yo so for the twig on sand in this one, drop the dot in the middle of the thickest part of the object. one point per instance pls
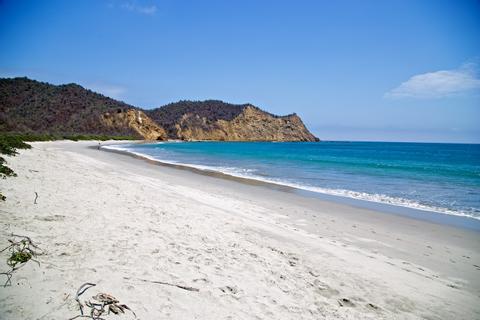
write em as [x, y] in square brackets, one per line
[36, 197]
[99, 304]
[166, 283]
[84, 287]
[22, 251]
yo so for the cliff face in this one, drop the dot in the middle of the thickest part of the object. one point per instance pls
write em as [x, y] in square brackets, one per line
[217, 120]
[137, 121]
[29, 106]
[251, 124]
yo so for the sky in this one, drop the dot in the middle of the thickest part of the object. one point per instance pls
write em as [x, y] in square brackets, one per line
[372, 70]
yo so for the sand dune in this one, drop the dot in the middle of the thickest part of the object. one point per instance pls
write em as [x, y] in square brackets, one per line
[252, 252]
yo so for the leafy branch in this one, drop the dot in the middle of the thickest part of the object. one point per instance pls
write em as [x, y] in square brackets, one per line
[8, 146]
[22, 249]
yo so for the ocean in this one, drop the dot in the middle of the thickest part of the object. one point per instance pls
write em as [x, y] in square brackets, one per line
[435, 177]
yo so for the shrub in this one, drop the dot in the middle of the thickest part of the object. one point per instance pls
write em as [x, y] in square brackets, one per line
[8, 146]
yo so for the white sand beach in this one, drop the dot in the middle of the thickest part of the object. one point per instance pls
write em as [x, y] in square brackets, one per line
[253, 252]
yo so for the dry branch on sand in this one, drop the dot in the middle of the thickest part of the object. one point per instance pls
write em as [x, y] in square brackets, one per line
[167, 284]
[99, 304]
[22, 249]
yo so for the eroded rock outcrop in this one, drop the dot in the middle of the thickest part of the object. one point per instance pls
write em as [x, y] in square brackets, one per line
[251, 124]
[136, 120]
[217, 120]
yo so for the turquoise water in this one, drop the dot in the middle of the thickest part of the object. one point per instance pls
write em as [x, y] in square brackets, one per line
[443, 178]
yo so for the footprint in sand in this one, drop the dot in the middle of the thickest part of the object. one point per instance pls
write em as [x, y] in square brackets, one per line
[312, 273]
[202, 280]
[229, 289]
[344, 302]
[56, 217]
[372, 306]
[324, 290]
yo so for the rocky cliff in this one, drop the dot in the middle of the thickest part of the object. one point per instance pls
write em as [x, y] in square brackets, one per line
[217, 120]
[28, 106]
[136, 120]
[251, 124]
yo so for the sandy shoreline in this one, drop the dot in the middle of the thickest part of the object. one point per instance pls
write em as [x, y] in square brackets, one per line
[253, 252]
[456, 220]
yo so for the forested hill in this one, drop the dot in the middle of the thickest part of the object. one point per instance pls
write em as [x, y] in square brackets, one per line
[29, 106]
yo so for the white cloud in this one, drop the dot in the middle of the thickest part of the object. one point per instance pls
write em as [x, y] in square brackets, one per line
[439, 84]
[143, 9]
[109, 90]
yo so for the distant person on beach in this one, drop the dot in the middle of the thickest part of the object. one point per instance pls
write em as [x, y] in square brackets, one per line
[99, 145]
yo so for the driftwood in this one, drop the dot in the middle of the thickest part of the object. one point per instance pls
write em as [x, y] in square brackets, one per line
[167, 284]
[99, 305]
[22, 249]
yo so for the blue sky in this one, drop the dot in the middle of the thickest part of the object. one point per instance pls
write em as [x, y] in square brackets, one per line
[353, 70]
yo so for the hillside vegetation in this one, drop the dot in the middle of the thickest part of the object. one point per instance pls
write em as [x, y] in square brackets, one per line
[33, 107]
